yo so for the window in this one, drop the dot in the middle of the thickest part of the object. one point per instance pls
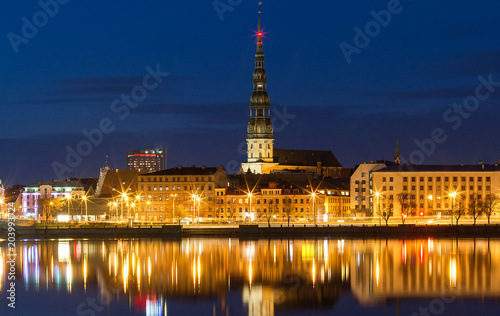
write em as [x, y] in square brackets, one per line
[383, 179]
[391, 179]
[429, 179]
[446, 179]
[479, 187]
[438, 179]
[471, 179]
[421, 179]
[384, 188]
[463, 179]
[488, 179]
[405, 179]
[363, 174]
[471, 188]
[391, 188]
[480, 179]
[363, 182]
[421, 187]
[455, 179]
[488, 188]
[463, 187]
[412, 179]
[413, 188]
[405, 188]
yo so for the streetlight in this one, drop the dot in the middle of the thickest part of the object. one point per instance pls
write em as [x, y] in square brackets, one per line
[250, 198]
[123, 195]
[198, 199]
[69, 199]
[173, 196]
[452, 195]
[314, 206]
[1, 208]
[377, 194]
[84, 198]
[149, 208]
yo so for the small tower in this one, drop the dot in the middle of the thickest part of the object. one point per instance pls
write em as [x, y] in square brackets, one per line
[397, 156]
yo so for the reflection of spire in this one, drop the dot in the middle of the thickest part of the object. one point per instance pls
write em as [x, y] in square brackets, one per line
[397, 156]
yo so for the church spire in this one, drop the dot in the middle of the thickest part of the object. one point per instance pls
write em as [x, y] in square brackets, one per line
[260, 129]
[397, 156]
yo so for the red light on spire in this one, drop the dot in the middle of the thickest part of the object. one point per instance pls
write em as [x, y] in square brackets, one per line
[259, 34]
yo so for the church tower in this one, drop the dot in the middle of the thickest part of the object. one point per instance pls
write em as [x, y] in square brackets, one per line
[260, 139]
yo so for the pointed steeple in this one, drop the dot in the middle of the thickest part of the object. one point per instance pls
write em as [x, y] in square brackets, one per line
[397, 156]
[260, 129]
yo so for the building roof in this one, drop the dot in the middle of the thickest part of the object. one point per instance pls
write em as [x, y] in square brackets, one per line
[440, 168]
[288, 181]
[299, 157]
[185, 171]
[117, 181]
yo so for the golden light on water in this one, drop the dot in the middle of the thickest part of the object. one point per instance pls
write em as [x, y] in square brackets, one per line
[153, 270]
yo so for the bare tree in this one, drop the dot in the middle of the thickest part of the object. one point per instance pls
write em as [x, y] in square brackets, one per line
[271, 210]
[50, 206]
[475, 207]
[179, 213]
[459, 208]
[288, 207]
[407, 205]
[490, 205]
[388, 212]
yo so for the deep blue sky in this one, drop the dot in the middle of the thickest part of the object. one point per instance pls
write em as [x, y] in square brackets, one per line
[66, 77]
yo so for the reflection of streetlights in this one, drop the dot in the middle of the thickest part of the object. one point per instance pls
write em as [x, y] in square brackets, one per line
[452, 195]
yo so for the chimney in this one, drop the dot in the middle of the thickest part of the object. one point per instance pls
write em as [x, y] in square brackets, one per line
[203, 167]
[480, 162]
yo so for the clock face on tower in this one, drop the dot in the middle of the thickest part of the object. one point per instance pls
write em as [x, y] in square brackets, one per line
[269, 127]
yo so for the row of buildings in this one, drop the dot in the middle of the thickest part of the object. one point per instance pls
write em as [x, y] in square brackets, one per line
[209, 194]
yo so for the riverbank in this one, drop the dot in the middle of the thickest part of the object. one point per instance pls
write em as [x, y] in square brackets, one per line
[256, 231]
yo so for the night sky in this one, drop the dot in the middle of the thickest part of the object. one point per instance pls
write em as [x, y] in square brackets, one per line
[406, 80]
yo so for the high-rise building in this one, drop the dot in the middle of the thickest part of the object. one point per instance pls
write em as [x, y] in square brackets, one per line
[154, 159]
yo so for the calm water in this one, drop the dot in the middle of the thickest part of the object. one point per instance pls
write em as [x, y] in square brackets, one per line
[265, 277]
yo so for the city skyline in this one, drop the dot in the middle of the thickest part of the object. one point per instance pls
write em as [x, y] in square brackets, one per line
[355, 100]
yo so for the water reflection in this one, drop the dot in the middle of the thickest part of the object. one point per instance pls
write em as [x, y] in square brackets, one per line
[267, 275]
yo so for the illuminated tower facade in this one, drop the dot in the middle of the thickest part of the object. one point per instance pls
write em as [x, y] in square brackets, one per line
[260, 139]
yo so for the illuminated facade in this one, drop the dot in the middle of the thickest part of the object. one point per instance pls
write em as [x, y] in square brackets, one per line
[431, 187]
[181, 192]
[362, 187]
[54, 190]
[277, 197]
[153, 159]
